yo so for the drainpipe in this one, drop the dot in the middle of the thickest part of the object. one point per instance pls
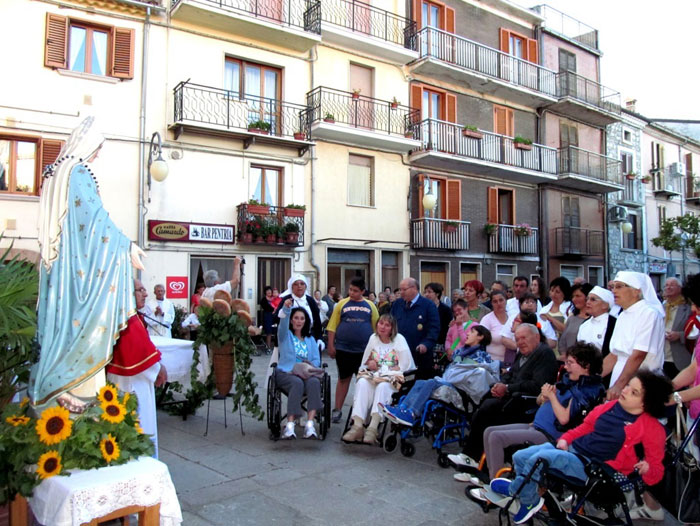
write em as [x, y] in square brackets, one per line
[312, 215]
[142, 130]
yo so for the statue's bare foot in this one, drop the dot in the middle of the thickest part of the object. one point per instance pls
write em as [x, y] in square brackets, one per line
[73, 404]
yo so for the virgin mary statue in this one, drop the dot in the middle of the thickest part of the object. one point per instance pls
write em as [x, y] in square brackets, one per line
[86, 281]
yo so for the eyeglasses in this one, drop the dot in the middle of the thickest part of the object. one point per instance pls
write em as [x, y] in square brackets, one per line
[618, 286]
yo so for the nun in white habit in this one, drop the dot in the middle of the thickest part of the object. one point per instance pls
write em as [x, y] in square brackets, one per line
[296, 290]
[598, 328]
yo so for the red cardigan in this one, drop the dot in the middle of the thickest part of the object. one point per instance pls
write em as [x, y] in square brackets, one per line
[645, 430]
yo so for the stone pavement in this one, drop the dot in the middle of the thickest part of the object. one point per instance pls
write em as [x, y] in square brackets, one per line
[226, 478]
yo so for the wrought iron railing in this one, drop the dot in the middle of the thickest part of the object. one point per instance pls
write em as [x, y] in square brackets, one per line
[568, 26]
[570, 84]
[303, 14]
[369, 20]
[469, 55]
[233, 110]
[506, 239]
[574, 241]
[447, 137]
[261, 221]
[573, 160]
[329, 104]
[632, 192]
[446, 234]
[662, 182]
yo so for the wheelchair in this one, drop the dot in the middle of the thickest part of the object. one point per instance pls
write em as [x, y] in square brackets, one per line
[274, 405]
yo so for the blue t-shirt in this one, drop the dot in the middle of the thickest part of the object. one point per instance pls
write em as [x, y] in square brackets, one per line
[354, 327]
[545, 417]
[608, 435]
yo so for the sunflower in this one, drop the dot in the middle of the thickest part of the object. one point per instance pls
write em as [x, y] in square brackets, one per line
[54, 425]
[17, 420]
[109, 448]
[113, 412]
[137, 426]
[49, 464]
[24, 402]
[107, 394]
[125, 399]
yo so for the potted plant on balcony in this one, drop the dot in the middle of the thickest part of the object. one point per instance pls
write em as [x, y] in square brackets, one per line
[646, 179]
[450, 226]
[472, 131]
[522, 230]
[394, 103]
[356, 93]
[408, 133]
[522, 143]
[294, 210]
[631, 176]
[247, 233]
[257, 208]
[259, 126]
[291, 232]
[299, 136]
[270, 232]
[490, 228]
[329, 117]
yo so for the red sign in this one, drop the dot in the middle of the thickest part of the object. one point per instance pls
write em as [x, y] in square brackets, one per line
[176, 287]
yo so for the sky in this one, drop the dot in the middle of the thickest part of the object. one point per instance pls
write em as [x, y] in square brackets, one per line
[650, 50]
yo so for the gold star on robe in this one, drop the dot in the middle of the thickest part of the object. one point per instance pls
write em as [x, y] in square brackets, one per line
[112, 288]
[81, 273]
[81, 227]
[105, 239]
[76, 323]
[100, 273]
[78, 202]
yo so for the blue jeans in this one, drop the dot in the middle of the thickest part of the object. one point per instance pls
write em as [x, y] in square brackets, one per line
[559, 460]
[419, 394]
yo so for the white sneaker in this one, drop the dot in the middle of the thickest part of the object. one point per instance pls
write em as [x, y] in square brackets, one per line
[463, 460]
[466, 477]
[289, 433]
[478, 494]
[310, 430]
[646, 513]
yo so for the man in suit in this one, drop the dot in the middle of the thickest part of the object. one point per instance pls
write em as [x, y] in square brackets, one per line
[418, 322]
[676, 356]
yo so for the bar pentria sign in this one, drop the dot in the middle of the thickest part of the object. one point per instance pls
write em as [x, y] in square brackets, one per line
[159, 230]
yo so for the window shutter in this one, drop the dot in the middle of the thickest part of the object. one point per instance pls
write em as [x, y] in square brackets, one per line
[56, 43]
[662, 163]
[532, 51]
[492, 205]
[417, 97]
[449, 19]
[451, 103]
[573, 135]
[417, 12]
[50, 149]
[122, 53]
[503, 120]
[504, 40]
[454, 200]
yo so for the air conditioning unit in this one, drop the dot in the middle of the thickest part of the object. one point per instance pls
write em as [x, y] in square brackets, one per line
[677, 169]
[618, 213]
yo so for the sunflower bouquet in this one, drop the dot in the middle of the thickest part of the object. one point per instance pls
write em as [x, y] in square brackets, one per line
[33, 448]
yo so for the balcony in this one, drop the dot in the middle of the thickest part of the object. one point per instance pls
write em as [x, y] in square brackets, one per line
[632, 194]
[589, 171]
[448, 57]
[692, 193]
[270, 225]
[367, 29]
[568, 27]
[443, 146]
[293, 24]
[586, 100]
[506, 241]
[573, 242]
[219, 112]
[342, 116]
[440, 234]
[664, 185]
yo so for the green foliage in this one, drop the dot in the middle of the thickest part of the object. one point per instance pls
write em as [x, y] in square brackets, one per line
[471, 128]
[259, 125]
[19, 288]
[176, 329]
[329, 116]
[673, 231]
[521, 140]
[291, 227]
[297, 207]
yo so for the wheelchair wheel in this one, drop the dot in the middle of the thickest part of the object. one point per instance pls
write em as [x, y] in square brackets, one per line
[390, 443]
[325, 413]
[408, 449]
[274, 409]
[443, 461]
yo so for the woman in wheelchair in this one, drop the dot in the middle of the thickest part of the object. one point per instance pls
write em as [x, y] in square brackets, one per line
[297, 346]
[561, 407]
[386, 357]
[608, 434]
[408, 411]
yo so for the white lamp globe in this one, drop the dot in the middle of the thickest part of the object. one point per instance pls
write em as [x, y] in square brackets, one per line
[626, 227]
[429, 202]
[159, 170]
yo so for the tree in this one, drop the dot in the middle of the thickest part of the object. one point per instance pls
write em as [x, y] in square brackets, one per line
[678, 232]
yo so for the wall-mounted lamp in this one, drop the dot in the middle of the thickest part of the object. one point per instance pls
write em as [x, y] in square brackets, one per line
[157, 168]
[429, 199]
[626, 227]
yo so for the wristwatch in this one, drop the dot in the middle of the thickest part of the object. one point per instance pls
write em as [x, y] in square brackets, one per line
[677, 398]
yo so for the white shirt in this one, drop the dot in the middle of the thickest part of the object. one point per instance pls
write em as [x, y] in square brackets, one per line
[593, 330]
[163, 322]
[563, 308]
[639, 327]
[546, 328]
[496, 349]
[210, 291]
[513, 306]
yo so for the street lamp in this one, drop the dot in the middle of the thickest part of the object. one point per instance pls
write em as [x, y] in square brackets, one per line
[157, 168]
[626, 227]
[429, 199]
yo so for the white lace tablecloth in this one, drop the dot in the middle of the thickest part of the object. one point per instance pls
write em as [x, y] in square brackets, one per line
[176, 355]
[88, 494]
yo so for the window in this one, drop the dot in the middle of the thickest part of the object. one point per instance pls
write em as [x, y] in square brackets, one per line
[518, 46]
[568, 134]
[567, 74]
[633, 240]
[501, 205]
[506, 273]
[449, 197]
[345, 264]
[434, 103]
[627, 163]
[22, 159]
[467, 272]
[360, 180]
[433, 272]
[657, 156]
[390, 269]
[503, 120]
[627, 136]
[570, 272]
[567, 61]
[88, 48]
[595, 276]
[430, 13]
[259, 86]
[661, 212]
[266, 182]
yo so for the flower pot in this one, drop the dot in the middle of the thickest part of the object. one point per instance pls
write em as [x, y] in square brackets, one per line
[631, 177]
[646, 180]
[294, 212]
[522, 146]
[259, 240]
[394, 105]
[258, 210]
[408, 134]
[355, 96]
[299, 136]
[247, 237]
[473, 134]
[271, 239]
[293, 238]
[258, 130]
[222, 360]
[331, 121]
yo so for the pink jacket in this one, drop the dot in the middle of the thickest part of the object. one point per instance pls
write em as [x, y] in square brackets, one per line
[457, 332]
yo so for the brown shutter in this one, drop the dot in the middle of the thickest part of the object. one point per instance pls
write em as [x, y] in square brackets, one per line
[56, 43]
[417, 97]
[50, 149]
[532, 51]
[451, 106]
[499, 120]
[454, 200]
[504, 34]
[492, 205]
[417, 13]
[449, 19]
[122, 53]
[573, 135]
